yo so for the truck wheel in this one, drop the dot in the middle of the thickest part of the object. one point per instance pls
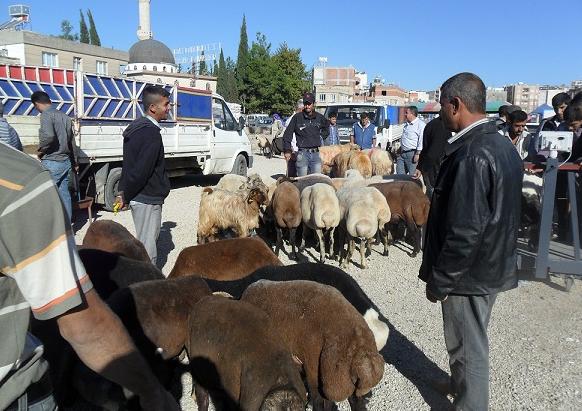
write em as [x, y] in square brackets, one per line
[111, 187]
[240, 165]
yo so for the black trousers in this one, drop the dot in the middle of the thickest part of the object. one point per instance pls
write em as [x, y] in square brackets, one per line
[465, 319]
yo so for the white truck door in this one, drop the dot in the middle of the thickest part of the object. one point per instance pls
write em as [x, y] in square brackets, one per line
[226, 140]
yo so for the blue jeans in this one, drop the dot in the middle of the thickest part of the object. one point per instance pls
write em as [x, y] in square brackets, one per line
[307, 163]
[60, 173]
[404, 164]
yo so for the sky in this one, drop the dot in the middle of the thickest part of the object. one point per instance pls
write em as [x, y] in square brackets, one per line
[415, 44]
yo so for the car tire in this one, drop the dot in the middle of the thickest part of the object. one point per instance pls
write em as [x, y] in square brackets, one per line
[111, 187]
[240, 165]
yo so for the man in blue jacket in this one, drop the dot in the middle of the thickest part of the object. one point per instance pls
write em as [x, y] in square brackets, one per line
[470, 251]
[364, 133]
[144, 183]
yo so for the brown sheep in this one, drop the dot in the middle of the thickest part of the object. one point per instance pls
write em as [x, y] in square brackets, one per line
[355, 160]
[327, 153]
[382, 163]
[407, 203]
[238, 357]
[286, 209]
[230, 259]
[112, 237]
[224, 210]
[326, 333]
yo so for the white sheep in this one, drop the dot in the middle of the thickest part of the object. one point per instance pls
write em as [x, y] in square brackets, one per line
[321, 213]
[363, 210]
[224, 210]
[382, 163]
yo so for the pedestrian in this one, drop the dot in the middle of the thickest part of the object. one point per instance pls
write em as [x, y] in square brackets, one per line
[471, 234]
[516, 131]
[410, 143]
[559, 102]
[7, 133]
[333, 137]
[364, 133]
[503, 112]
[277, 128]
[434, 140]
[56, 147]
[292, 160]
[144, 183]
[41, 271]
[309, 128]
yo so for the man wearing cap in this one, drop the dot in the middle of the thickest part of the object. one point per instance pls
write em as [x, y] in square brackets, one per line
[309, 128]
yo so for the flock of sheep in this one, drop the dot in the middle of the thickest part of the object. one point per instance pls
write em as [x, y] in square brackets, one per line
[362, 200]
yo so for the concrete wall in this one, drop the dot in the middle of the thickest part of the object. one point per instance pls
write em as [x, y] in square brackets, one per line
[26, 127]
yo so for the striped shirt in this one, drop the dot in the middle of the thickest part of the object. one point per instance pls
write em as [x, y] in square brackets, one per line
[40, 269]
[8, 135]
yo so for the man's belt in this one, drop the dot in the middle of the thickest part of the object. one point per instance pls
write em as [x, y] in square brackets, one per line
[408, 151]
[310, 150]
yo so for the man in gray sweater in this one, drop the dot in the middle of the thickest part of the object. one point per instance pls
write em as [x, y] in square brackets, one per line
[56, 147]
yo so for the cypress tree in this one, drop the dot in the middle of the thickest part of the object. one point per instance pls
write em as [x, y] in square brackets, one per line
[242, 61]
[221, 81]
[93, 36]
[83, 32]
[202, 70]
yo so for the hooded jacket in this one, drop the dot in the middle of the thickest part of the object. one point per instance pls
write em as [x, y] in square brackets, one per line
[471, 233]
[143, 177]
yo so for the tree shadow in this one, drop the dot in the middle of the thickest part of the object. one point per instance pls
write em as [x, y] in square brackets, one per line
[198, 180]
[416, 367]
[165, 243]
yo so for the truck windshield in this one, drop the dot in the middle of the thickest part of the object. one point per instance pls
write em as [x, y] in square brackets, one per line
[348, 115]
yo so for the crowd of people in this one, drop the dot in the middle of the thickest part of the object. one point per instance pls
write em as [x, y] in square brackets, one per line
[469, 255]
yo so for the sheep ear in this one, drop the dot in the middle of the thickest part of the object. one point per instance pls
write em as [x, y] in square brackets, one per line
[208, 190]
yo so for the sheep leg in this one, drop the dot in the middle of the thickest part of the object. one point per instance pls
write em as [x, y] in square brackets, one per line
[331, 245]
[384, 234]
[357, 403]
[303, 239]
[292, 241]
[415, 233]
[363, 246]
[319, 233]
[279, 240]
[201, 396]
[351, 246]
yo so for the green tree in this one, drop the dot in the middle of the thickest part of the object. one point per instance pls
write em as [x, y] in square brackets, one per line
[93, 36]
[215, 69]
[221, 75]
[202, 69]
[231, 90]
[242, 60]
[291, 79]
[67, 31]
[260, 76]
[83, 32]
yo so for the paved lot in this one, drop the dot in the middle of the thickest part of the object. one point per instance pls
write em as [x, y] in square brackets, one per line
[535, 332]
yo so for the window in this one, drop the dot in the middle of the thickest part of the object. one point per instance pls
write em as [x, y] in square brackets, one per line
[101, 67]
[49, 59]
[77, 63]
[122, 68]
[383, 92]
[223, 119]
[322, 97]
[230, 121]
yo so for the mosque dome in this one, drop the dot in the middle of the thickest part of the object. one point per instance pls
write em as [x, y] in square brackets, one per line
[150, 51]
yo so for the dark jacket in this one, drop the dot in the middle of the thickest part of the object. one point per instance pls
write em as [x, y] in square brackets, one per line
[434, 139]
[143, 176]
[471, 233]
[55, 136]
[309, 130]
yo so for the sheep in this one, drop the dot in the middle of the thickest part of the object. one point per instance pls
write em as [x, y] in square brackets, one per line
[236, 183]
[354, 178]
[531, 207]
[320, 273]
[224, 260]
[238, 356]
[303, 182]
[286, 209]
[352, 160]
[363, 210]
[409, 204]
[321, 213]
[326, 333]
[110, 236]
[265, 145]
[327, 153]
[222, 210]
[382, 163]
[404, 177]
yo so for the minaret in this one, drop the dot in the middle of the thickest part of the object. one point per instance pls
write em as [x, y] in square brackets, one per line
[144, 31]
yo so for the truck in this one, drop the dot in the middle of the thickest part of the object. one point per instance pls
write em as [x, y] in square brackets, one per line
[384, 117]
[200, 136]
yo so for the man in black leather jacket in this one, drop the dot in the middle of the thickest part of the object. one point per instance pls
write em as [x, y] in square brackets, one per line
[471, 234]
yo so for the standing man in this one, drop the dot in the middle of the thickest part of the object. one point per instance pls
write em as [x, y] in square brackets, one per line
[411, 142]
[7, 133]
[434, 140]
[40, 271]
[364, 133]
[144, 180]
[56, 147]
[471, 234]
[333, 138]
[309, 128]
[559, 102]
[515, 131]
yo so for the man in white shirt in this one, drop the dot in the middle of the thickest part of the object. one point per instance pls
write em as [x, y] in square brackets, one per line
[411, 142]
[515, 131]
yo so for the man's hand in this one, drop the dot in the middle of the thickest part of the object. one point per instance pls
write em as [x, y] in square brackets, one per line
[415, 158]
[287, 155]
[417, 174]
[118, 204]
[432, 298]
